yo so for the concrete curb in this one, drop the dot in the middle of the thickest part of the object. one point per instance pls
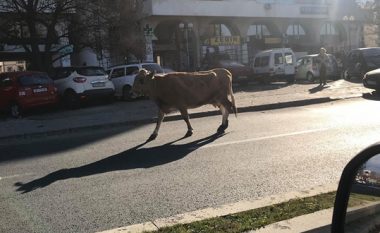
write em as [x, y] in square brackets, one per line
[264, 107]
[223, 210]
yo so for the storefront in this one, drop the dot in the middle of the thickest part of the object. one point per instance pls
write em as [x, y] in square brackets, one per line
[186, 42]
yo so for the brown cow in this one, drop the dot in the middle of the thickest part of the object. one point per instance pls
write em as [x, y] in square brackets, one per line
[182, 90]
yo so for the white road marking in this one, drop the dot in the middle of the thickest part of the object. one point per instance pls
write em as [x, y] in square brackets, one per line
[15, 176]
[264, 138]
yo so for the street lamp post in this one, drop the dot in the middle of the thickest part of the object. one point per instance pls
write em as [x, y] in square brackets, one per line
[349, 19]
[186, 28]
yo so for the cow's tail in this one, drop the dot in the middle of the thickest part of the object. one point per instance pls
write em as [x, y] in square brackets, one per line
[234, 109]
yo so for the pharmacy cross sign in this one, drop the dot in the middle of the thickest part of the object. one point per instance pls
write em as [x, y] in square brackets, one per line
[148, 31]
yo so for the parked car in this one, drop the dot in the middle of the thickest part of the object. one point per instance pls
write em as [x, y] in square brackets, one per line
[20, 91]
[372, 80]
[76, 84]
[360, 61]
[307, 68]
[239, 71]
[123, 77]
[275, 64]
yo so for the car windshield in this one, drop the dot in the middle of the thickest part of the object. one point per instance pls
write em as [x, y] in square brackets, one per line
[91, 71]
[153, 68]
[227, 63]
[34, 79]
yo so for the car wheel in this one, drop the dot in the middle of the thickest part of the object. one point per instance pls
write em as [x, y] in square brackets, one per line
[291, 79]
[71, 100]
[310, 77]
[127, 93]
[16, 110]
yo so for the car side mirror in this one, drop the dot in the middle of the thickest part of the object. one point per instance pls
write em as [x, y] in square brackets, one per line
[357, 202]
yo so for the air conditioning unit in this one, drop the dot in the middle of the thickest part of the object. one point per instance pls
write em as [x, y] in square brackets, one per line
[267, 6]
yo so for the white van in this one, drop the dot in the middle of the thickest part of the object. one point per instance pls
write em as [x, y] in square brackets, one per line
[275, 64]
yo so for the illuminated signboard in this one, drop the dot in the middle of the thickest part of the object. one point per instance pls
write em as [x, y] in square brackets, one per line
[224, 40]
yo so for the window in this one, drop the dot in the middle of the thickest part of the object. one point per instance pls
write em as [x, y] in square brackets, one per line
[261, 61]
[258, 30]
[288, 58]
[119, 72]
[5, 82]
[34, 79]
[132, 70]
[278, 59]
[91, 71]
[257, 62]
[153, 68]
[328, 29]
[295, 30]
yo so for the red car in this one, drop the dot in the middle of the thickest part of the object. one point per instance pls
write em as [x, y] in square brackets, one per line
[20, 91]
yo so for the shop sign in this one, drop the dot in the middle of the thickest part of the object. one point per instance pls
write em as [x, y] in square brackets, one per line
[272, 40]
[224, 40]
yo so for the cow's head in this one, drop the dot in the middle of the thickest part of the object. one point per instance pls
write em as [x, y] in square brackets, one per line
[141, 83]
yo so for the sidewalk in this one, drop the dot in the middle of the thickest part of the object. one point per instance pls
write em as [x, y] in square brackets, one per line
[249, 98]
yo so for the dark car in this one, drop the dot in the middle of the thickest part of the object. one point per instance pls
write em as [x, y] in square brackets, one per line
[240, 72]
[20, 91]
[360, 61]
[372, 80]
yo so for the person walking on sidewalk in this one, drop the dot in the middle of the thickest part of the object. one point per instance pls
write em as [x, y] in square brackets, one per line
[323, 59]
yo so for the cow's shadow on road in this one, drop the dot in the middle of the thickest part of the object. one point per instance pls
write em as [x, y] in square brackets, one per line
[133, 158]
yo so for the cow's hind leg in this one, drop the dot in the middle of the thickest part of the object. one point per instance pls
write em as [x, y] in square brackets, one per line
[161, 116]
[185, 116]
[225, 114]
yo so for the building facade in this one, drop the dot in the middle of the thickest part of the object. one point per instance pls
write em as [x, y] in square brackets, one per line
[180, 34]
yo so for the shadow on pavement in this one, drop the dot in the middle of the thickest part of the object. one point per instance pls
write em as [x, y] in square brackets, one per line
[317, 89]
[51, 145]
[133, 158]
[255, 87]
[372, 96]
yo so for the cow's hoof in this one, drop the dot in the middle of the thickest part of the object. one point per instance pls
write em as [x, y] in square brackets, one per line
[152, 137]
[188, 133]
[221, 129]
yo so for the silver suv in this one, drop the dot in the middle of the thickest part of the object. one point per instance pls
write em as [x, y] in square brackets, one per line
[123, 77]
[75, 84]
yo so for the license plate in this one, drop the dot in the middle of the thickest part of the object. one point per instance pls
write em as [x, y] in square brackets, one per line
[40, 90]
[100, 84]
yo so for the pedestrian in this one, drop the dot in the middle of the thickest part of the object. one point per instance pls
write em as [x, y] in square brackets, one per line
[323, 60]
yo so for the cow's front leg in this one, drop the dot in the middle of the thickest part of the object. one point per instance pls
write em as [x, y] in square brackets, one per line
[161, 116]
[185, 116]
[224, 124]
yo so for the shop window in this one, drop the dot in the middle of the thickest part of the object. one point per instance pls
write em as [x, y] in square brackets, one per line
[258, 30]
[295, 30]
[328, 29]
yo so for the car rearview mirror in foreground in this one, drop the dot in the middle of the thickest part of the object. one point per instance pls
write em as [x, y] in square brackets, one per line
[357, 203]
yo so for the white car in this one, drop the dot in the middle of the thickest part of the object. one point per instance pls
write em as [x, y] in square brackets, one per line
[75, 84]
[123, 77]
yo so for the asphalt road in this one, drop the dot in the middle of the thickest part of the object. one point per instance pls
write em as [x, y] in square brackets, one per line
[105, 179]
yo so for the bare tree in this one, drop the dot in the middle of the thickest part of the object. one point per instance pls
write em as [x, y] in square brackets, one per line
[47, 29]
[37, 25]
[125, 35]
